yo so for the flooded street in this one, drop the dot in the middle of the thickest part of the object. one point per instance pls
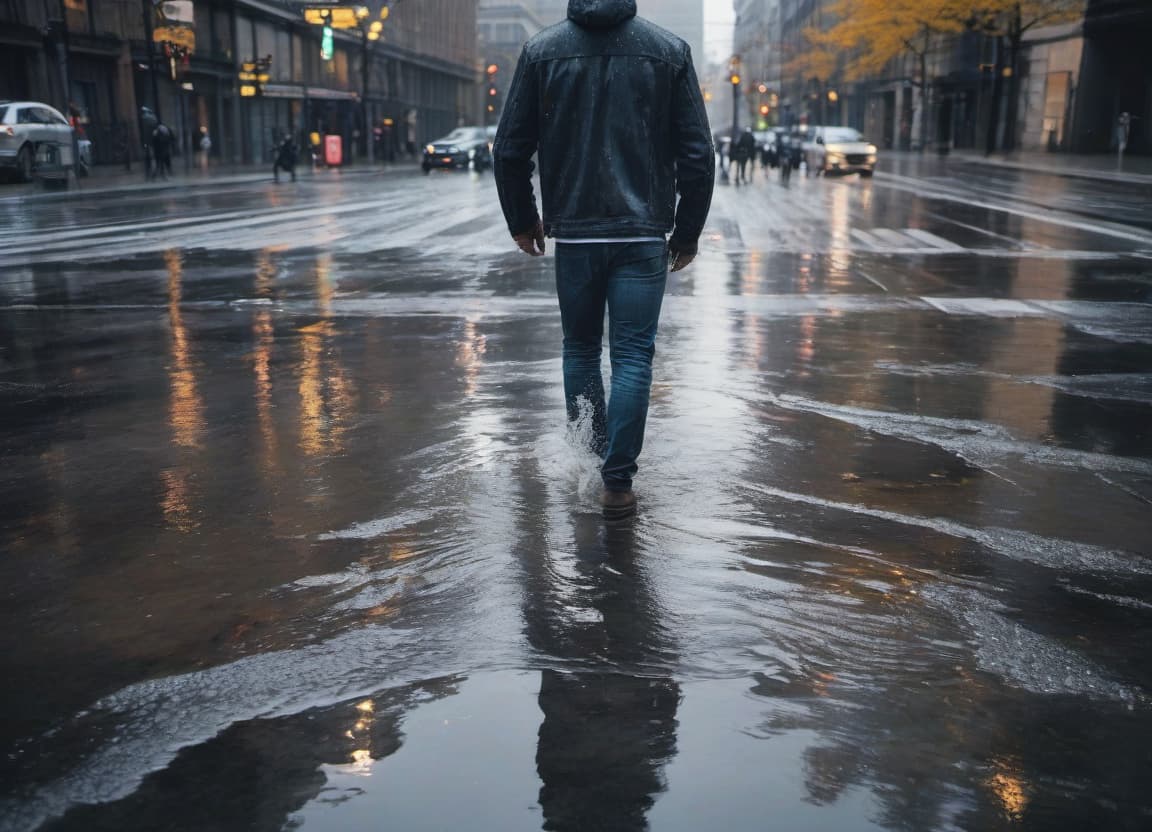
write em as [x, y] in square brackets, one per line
[293, 536]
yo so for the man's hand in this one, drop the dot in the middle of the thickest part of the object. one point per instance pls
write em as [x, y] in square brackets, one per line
[679, 260]
[531, 242]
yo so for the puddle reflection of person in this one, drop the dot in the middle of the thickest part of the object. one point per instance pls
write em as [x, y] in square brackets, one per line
[608, 730]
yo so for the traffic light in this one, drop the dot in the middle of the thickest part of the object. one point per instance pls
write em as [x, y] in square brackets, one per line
[735, 79]
[764, 109]
[493, 96]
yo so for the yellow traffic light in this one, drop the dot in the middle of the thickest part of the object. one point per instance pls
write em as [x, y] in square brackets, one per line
[735, 79]
[763, 109]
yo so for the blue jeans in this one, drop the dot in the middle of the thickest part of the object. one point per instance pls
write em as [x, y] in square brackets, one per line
[629, 279]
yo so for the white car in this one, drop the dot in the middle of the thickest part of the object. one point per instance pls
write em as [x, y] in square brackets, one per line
[26, 128]
[839, 150]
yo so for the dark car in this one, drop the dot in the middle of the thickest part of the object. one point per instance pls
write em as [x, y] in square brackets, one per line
[463, 147]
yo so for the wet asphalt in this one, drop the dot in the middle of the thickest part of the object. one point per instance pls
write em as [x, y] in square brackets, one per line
[293, 536]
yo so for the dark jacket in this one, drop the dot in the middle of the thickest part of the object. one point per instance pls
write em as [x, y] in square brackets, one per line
[611, 104]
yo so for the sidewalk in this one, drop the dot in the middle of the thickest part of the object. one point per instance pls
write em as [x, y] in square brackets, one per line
[112, 179]
[1103, 168]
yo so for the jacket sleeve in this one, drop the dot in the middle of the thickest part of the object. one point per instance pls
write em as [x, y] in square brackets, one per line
[695, 159]
[516, 141]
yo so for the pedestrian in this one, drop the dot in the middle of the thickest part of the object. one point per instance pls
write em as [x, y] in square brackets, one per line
[285, 158]
[736, 160]
[205, 144]
[162, 149]
[612, 105]
[745, 153]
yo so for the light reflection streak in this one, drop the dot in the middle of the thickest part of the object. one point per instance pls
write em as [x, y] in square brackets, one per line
[470, 354]
[177, 503]
[265, 336]
[327, 397]
[1011, 790]
[840, 228]
[186, 410]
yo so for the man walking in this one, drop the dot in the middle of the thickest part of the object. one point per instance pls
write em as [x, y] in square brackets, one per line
[611, 104]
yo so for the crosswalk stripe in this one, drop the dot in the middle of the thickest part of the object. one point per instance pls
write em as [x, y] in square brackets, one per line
[894, 239]
[932, 240]
[866, 238]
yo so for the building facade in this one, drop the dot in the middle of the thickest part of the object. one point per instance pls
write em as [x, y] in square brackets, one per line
[502, 28]
[1068, 91]
[384, 95]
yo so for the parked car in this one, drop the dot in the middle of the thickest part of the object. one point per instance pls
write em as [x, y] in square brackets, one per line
[463, 147]
[28, 128]
[839, 150]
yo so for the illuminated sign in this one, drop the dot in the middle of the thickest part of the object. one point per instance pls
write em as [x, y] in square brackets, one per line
[327, 50]
[338, 17]
[253, 75]
[175, 25]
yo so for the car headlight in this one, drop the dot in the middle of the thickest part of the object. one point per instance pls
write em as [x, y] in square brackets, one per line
[430, 149]
[871, 150]
[835, 156]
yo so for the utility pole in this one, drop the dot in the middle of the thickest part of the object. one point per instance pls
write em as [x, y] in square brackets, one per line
[62, 55]
[735, 80]
[149, 10]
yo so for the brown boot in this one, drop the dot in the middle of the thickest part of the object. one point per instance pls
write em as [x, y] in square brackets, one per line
[618, 504]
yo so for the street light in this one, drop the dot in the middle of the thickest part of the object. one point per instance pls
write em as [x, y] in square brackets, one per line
[734, 79]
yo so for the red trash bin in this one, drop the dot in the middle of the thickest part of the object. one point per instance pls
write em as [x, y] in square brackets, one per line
[333, 151]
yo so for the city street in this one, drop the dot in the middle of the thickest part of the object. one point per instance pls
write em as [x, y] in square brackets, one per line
[293, 536]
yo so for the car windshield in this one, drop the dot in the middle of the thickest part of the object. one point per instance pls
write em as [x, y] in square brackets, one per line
[460, 134]
[842, 134]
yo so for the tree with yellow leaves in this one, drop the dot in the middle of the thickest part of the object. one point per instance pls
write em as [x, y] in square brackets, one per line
[871, 34]
[1008, 21]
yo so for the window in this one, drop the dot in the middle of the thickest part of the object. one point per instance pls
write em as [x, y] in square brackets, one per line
[46, 116]
[297, 59]
[27, 115]
[222, 33]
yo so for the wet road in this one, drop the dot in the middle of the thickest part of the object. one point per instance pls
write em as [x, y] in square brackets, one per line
[293, 536]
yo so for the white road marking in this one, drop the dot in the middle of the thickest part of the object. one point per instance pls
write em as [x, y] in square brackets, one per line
[926, 190]
[933, 240]
[867, 239]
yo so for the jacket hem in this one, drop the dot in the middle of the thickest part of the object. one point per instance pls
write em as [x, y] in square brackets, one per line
[601, 228]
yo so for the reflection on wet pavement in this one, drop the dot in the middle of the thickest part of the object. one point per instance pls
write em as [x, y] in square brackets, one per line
[294, 536]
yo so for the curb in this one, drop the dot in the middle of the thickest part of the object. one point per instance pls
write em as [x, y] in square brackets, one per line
[34, 192]
[1116, 177]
